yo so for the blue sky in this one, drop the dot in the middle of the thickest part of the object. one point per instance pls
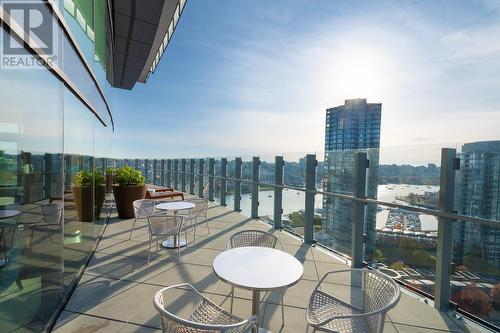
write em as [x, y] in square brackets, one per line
[248, 77]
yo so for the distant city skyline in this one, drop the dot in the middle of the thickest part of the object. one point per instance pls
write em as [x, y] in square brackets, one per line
[239, 80]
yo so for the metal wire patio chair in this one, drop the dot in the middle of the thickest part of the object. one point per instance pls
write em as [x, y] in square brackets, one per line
[357, 300]
[8, 228]
[205, 317]
[198, 211]
[40, 216]
[166, 225]
[257, 238]
[143, 208]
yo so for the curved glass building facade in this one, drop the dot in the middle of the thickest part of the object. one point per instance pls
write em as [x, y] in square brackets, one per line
[59, 60]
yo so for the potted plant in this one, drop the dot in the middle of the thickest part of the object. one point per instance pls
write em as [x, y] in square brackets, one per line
[110, 179]
[88, 190]
[130, 187]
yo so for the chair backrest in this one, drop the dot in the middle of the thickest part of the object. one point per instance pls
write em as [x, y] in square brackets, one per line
[143, 207]
[371, 293]
[214, 322]
[8, 230]
[252, 238]
[200, 208]
[380, 291]
[52, 213]
[162, 224]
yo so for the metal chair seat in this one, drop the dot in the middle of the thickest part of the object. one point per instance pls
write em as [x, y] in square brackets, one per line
[166, 227]
[206, 316]
[355, 300]
[323, 306]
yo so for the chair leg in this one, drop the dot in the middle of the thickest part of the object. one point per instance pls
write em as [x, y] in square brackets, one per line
[186, 237]
[132, 230]
[149, 251]
[179, 248]
[193, 223]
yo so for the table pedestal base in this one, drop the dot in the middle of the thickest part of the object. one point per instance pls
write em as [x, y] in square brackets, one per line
[171, 244]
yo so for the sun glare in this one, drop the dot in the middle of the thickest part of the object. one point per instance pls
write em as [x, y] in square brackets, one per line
[358, 73]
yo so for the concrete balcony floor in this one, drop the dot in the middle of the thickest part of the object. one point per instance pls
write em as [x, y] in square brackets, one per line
[116, 291]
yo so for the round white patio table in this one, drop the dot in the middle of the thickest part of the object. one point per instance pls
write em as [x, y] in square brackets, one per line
[175, 206]
[258, 269]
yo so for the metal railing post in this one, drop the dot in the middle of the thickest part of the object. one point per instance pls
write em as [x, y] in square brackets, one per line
[47, 175]
[255, 187]
[311, 164]
[358, 209]
[155, 166]
[445, 228]
[278, 191]
[176, 174]
[237, 184]
[146, 169]
[191, 176]
[169, 173]
[201, 162]
[223, 183]
[183, 175]
[211, 172]
[162, 172]
[67, 172]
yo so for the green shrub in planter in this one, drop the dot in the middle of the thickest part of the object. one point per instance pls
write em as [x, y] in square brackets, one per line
[88, 178]
[88, 190]
[130, 187]
[127, 176]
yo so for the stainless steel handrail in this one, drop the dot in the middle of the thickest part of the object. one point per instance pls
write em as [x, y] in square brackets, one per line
[434, 212]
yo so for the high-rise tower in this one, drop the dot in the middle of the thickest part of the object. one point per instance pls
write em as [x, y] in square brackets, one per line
[478, 194]
[352, 127]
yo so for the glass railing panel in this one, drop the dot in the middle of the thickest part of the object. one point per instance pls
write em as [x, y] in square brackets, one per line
[475, 280]
[266, 203]
[246, 169]
[196, 176]
[294, 170]
[293, 218]
[267, 169]
[246, 187]
[230, 195]
[405, 249]
[217, 182]
[336, 221]
[475, 283]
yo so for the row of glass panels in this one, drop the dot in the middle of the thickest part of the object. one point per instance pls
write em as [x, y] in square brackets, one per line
[47, 136]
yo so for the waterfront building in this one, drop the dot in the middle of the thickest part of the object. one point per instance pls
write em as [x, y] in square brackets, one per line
[478, 194]
[352, 127]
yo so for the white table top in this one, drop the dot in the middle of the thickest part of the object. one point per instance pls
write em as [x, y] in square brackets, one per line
[258, 268]
[8, 213]
[175, 205]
